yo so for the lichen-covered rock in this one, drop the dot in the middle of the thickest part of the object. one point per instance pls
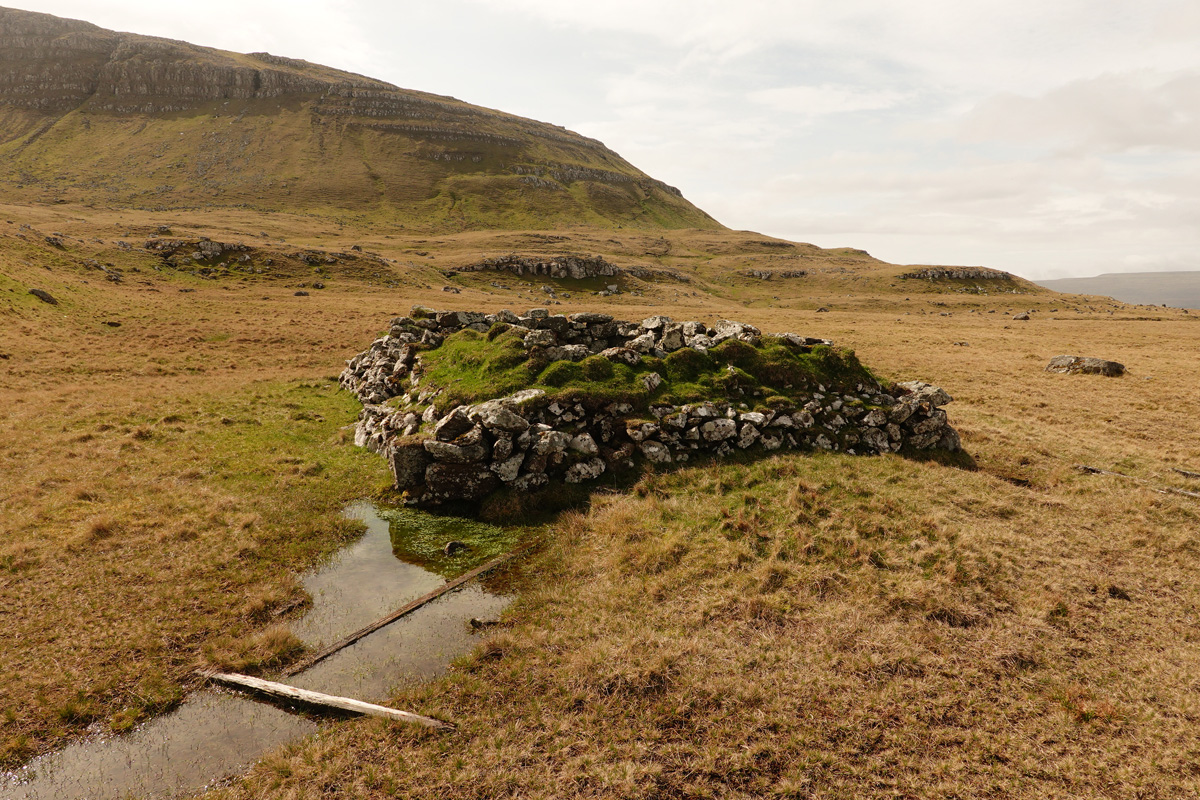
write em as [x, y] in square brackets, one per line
[1085, 365]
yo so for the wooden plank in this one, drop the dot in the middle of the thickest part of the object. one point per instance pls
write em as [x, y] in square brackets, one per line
[326, 700]
[305, 663]
[1098, 471]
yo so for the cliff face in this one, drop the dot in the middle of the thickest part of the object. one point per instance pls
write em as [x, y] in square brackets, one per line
[94, 115]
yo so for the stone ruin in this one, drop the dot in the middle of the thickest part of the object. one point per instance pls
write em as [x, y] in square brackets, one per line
[528, 440]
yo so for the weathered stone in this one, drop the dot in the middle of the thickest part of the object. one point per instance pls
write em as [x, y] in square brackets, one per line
[496, 415]
[585, 470]
[748, 436]
[875, 418]
[655, 323]
[551, 442]
[700, 342]
[530, 481]
[556, 322]
[934, 422]
[537, 313]
[453, 425]
[642, 344]
[591, 318]
[672, 338]
[570, 352]
[504, 315]
[1023, 316]
[584, 444]
[44, 296]
[623, 355]
[875, 439]
[754, 418]
[717, 430]
[728, 329]
[508, 469]
[447, 481]
[655, 452]
[652, 381]
[1085, 365]
[540, 338]
[456, 453]
[934, 395]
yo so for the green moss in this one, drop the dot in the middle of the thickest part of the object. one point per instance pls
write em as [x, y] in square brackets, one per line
[421, 539]
[561, 373]
[470, 367]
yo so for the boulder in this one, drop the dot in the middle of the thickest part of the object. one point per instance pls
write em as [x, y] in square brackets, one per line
[46, 297]
[1023, 316]
[1085, 365]
[642, 344]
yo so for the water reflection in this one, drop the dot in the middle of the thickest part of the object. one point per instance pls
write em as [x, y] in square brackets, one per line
[215, 734]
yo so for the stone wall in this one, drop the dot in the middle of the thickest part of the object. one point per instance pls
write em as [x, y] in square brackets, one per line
[526, 440]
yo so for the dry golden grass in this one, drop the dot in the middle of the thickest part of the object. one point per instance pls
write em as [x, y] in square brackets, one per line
[798, 626]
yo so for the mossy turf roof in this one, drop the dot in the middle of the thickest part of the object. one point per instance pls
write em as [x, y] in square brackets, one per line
[470, 367]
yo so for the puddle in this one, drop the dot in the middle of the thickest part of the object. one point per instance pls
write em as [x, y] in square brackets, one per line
[215, 734]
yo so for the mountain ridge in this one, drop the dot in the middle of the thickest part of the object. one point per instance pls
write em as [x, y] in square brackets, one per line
[88, 114]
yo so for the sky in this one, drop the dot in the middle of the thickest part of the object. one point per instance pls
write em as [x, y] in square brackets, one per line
[1049, 138]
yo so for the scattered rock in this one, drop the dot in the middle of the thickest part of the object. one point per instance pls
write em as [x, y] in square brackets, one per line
[44, 296]
[1073, 365]
[301, 294]
[1023, 316]
[453, 547]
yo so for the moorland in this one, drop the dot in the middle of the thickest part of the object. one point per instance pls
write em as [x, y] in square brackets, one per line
[174, 450]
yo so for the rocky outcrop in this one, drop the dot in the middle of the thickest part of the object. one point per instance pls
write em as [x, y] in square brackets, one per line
[564, 266]
[771, 274]
[529, 439]
[1084, 365]
[958, 273]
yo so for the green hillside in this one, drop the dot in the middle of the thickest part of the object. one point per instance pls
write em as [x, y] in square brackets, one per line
[93, 116]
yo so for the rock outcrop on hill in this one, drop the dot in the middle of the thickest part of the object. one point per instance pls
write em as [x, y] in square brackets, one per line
[137, 120]
[526, 440]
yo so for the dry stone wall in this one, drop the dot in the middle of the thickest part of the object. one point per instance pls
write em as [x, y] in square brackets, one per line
[529, 439]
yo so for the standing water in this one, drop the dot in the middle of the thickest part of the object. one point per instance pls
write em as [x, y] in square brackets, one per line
[215, 734]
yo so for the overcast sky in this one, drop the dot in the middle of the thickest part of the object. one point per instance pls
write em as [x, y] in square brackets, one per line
[1046, 137]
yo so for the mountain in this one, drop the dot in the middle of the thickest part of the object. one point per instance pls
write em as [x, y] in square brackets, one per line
[89, 115]
[1176, 289]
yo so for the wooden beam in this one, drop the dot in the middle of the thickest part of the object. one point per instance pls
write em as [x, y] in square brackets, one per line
[307, 697]
[305, 663]
[1098, 471]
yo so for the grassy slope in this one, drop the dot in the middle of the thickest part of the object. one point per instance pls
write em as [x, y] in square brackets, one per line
[823, 626]
[399, 157]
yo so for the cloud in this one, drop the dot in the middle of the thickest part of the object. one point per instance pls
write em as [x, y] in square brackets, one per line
[826, 99]
[1109, 113]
